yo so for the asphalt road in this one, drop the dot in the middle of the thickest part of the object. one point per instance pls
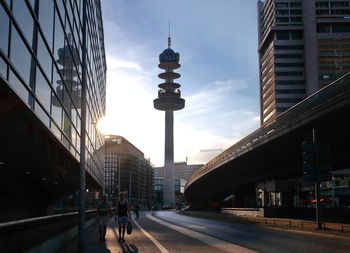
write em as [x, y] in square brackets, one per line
[258, 238]
[170, 232]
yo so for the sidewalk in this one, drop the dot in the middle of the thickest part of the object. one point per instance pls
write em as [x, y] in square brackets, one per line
[134, 243]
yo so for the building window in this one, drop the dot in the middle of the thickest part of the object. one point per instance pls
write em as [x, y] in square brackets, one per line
[323, 28]
[340, 12]
[289, 73]
[289, 64]
[339, 4]
[19, 86]
[322, 12]
[24, 19]
[296, 19]
[296, 35]
[46, 20]
[42, 114]
[290, 82]
[288, 100]
[44, 57]
[282, 20]
[295, 12]
[341, 28]
[282, 109]
[288, 47]
[322, 4]
[295, 4]
[281, 5]
[282, 35]
[291, 91]
[284, 56]
[42, 90]
[4, 30]
[282, 12]
[3, 68]
[20, 57]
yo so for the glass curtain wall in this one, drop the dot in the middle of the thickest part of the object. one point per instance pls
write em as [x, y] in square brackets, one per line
[40, 59]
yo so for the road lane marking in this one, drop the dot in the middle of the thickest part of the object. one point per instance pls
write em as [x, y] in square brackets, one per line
[196, 226]
[217, 243]
[159, 246]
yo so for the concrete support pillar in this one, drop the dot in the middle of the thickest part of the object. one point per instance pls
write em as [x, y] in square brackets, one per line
[169, 182]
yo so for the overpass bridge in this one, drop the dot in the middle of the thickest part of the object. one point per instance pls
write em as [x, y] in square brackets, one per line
[274, 151]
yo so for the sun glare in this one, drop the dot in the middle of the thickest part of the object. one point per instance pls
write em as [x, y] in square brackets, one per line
[106, 126]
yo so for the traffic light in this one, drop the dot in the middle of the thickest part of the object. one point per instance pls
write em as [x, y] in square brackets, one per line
[308, 156]
[316, 161]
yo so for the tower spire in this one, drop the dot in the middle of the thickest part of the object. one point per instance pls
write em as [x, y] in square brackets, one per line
[169, 38]
[169, 100]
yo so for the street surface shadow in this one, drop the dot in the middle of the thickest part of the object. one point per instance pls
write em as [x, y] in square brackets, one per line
[131, 248]
[102, 248]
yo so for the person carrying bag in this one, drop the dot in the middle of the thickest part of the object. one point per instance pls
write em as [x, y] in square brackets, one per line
[123, 213]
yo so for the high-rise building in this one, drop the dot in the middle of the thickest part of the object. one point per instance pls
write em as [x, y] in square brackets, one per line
[40, 102]
[128, 171]
[169, 100]
[303, 46]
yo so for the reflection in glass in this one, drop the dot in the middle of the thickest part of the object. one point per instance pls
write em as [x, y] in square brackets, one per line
[20, 57]
[44, 57]
[4, 30]
[66, 57]
[55, 130]
[42, 114]
[42, 90]
[19, 87]
[56, 113]
[23, 19]
[46, 18]
[3, 68]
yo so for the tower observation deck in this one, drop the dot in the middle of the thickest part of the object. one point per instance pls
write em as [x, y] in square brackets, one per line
[169, 100]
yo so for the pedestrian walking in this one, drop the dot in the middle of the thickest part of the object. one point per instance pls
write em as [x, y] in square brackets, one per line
[103, 209]
[123, 213]
[137, 211]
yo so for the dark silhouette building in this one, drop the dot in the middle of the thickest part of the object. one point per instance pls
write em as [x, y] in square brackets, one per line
[127, 170]
[40, 103]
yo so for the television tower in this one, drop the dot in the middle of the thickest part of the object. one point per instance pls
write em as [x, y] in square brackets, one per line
[169, 100]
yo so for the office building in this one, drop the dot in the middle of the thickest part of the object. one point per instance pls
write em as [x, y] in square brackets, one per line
[303, 46]
[40, 102]
[128, 171]
[182, 173]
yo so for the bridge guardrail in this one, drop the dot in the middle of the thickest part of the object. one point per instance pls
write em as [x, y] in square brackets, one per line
[327, 93]
[275, 222]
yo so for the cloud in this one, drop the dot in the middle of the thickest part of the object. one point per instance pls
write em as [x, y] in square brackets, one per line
[116, 64]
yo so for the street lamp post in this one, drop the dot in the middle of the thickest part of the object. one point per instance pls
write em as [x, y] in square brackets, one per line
[81, 226]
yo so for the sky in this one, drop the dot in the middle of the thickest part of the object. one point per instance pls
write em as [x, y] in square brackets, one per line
[217, 42]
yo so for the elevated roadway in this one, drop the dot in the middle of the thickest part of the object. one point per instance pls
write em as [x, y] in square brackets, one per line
[274, 150]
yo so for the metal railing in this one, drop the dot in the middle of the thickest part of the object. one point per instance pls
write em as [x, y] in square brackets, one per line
[284, 120]
[276, 222]
[22, 235]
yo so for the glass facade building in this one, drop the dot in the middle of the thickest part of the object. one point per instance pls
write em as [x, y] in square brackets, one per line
[41, 60]
[41, 65]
